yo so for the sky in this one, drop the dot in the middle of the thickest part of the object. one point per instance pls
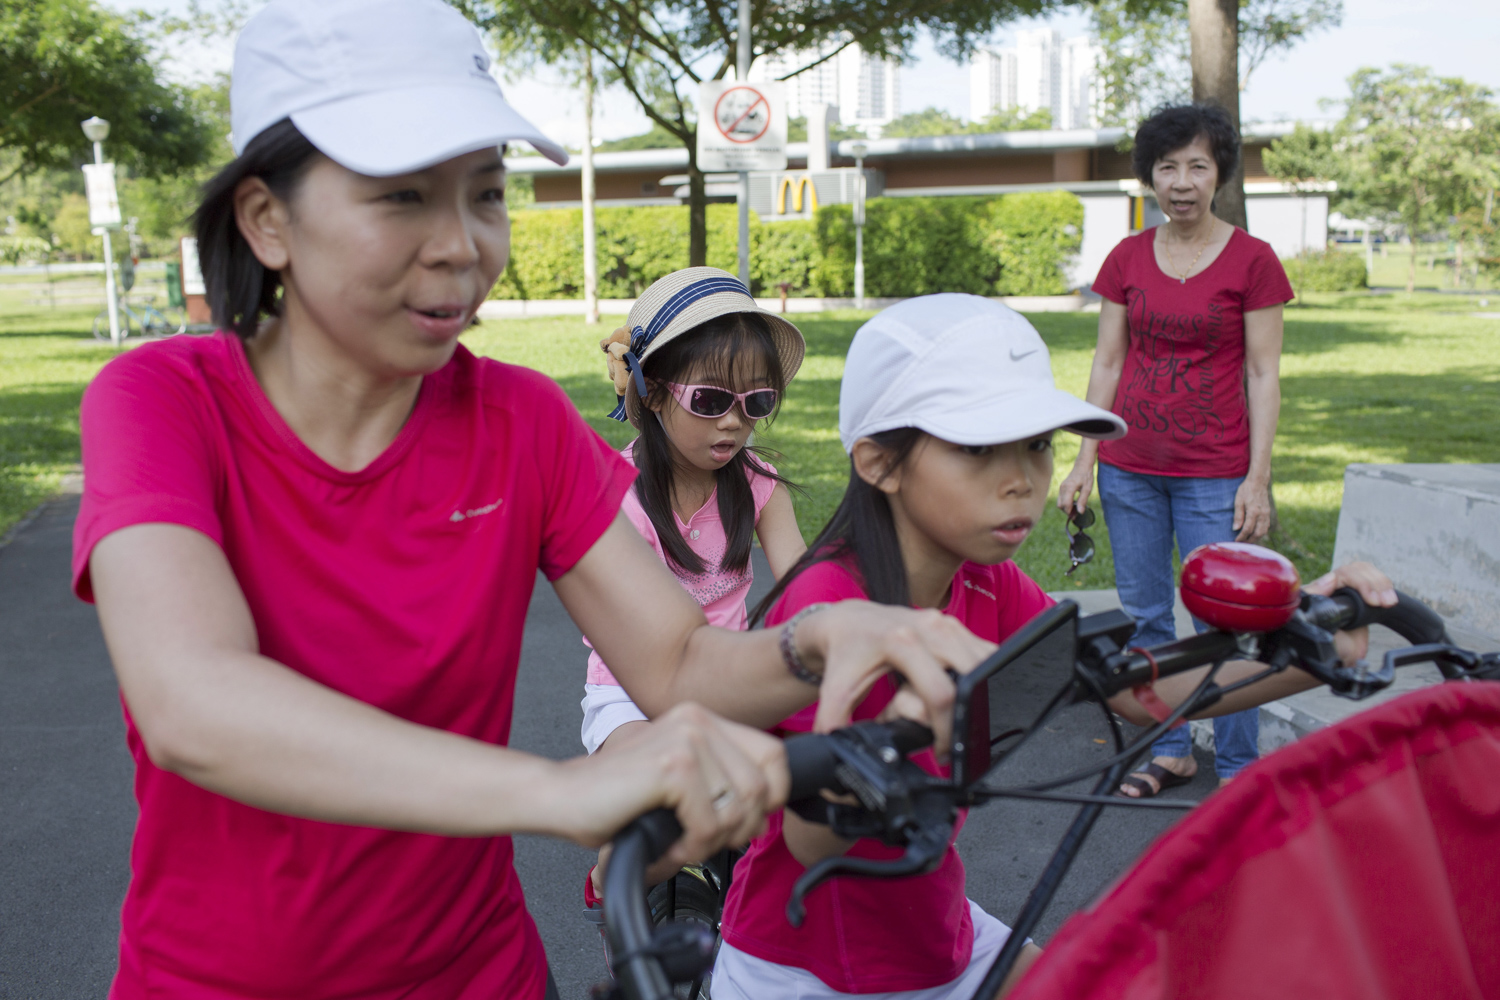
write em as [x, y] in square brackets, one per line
[1456, 37]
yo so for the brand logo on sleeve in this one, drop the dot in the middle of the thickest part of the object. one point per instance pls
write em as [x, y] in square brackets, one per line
[970, 584]
[464, 515]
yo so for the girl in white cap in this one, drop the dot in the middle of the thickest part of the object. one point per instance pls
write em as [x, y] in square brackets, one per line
[312, 539]
[697, 366]
[947, 410]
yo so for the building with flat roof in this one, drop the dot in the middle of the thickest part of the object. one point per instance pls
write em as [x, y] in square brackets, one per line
[1087, 162]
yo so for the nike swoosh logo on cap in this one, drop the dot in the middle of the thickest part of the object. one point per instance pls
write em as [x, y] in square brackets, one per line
[1017, 357]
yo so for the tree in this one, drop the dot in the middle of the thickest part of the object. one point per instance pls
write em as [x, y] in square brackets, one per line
[1420, 147]
[935, 121]
[796, 130]
[660, 50]
[62, 61]
[1153, 47]
[1304, 160]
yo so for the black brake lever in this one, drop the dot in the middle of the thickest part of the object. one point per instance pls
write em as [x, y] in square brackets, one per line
[1454, 663]
[1301, 643]
[926, 847]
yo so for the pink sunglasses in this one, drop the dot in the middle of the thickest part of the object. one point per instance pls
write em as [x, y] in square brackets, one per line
[713, 401]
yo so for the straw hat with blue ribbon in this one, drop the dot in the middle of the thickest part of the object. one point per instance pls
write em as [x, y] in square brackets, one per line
[672, 306]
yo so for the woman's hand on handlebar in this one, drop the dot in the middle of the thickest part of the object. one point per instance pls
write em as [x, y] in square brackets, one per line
[857, 642]
[1372, 585]
[719, 777]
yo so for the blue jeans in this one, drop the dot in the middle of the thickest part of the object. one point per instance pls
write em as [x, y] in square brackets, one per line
[1143, 514]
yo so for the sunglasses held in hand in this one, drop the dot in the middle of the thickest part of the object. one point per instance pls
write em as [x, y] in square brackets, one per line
[715, 401]
[1080, 545]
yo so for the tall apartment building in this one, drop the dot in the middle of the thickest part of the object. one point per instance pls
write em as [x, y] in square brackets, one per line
[1042, 70]
[865, 89]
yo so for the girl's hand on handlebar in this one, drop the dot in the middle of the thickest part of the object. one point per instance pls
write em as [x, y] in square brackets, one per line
[1372, 585]
[857, 642]
[721, 779]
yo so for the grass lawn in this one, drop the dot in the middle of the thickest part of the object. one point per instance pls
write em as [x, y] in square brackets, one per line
[1365, 379]
[1392, 261]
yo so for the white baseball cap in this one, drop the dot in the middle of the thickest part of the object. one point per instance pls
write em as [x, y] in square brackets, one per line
[962, 368]
[382, 87]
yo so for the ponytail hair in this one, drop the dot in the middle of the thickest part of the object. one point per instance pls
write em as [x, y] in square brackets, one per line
[722, 348]
[861, 529]
[240, 289]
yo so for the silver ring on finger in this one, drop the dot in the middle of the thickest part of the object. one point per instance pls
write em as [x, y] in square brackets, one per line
[724, 800]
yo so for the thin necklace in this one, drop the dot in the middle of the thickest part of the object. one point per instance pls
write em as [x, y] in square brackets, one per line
[1182, 276]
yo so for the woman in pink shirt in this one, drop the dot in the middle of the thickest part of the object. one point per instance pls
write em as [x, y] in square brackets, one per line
[312, 539]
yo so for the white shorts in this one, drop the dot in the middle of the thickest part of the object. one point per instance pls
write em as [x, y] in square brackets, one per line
[606, 707]
[738, 976]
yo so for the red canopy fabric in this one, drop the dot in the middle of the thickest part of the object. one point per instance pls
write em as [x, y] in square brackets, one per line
[1362, 862]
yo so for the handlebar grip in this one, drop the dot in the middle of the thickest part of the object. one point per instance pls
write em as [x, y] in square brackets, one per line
[658, 830]
[908, 735]
[1409, 618]
[811, 760]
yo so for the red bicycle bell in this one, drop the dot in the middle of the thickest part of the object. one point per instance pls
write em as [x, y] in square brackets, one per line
[1239, 587]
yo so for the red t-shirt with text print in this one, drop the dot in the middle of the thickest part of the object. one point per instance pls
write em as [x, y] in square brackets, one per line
[1182, 391]
[404, 585]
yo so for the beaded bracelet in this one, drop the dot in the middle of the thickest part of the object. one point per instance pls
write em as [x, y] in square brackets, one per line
[788, 644]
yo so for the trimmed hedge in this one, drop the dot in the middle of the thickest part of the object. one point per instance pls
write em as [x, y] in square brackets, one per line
[1328, 271]
[638, 245]
[1015, 244]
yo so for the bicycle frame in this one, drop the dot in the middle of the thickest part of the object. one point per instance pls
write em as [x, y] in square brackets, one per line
[905, 806]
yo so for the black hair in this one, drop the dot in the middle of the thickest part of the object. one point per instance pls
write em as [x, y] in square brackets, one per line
[240, 288]
[718, 349]
[1173, 126]
[863, 528]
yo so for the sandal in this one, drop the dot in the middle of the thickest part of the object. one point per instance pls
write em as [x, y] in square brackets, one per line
[1165, 779]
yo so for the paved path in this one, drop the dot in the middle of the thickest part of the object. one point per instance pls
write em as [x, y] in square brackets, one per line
[66, 811]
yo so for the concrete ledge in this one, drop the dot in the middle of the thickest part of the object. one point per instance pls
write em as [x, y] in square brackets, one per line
[525, 308]
[1435, 529]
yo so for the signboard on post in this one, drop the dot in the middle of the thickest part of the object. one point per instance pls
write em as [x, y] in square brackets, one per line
[104, 203]
[741, 126]
[193, 289]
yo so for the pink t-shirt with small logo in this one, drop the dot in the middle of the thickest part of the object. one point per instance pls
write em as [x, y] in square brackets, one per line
[720, 593]
[865, 935]
[404, 585]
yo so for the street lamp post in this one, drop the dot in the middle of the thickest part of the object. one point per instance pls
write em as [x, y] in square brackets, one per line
[96, 130]
[742, 192]
[859, 149]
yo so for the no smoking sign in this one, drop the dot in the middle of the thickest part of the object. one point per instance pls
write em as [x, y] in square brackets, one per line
[742, 126]
[742, 114]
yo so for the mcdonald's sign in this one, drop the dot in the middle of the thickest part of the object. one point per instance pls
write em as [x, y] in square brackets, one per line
[800, 185]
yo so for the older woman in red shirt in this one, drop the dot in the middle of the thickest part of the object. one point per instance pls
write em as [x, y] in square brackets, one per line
[1189, 350]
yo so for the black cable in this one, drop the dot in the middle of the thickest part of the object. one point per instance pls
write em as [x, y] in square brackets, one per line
[1058, 701]
[1046, 887]
[1150, 736]
[985, 795]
